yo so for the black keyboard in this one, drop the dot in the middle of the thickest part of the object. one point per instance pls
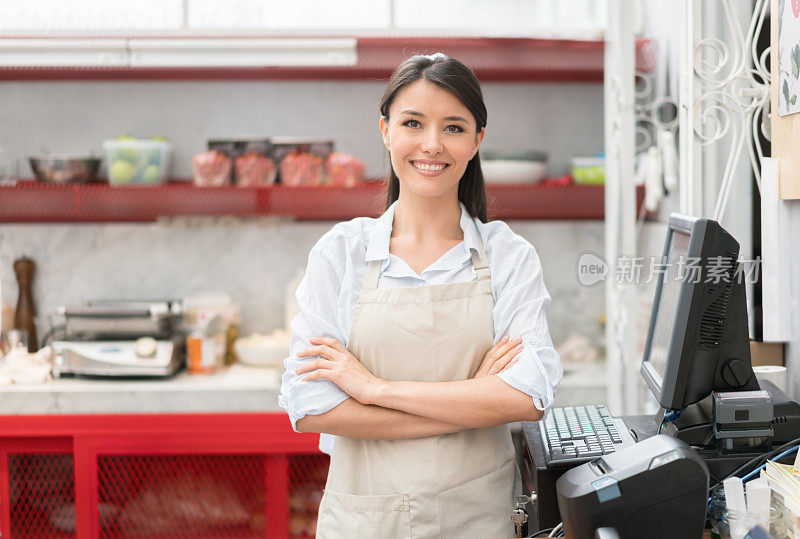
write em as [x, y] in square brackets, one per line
[577, 434]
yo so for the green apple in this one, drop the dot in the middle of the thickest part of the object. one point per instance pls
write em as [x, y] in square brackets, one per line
[151, 174]
[122, 172]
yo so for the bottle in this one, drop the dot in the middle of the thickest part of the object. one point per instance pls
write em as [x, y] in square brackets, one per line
[25, 315]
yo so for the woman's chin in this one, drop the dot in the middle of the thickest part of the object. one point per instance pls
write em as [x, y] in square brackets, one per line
[430, 188]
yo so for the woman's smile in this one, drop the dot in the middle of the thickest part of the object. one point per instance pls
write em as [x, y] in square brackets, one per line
[426, 167]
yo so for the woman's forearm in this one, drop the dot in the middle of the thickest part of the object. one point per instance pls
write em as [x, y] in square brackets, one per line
[479, 402]
[368, 422]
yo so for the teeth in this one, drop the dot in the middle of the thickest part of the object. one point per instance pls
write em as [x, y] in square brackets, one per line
[432, 168]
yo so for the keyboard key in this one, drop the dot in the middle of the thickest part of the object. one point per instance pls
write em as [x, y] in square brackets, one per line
[562, 457]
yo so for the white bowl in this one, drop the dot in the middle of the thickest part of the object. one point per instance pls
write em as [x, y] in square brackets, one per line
[261, 350]
[513, 171]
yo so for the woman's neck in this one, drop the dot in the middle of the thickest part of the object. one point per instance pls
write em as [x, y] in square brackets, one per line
[427, 220]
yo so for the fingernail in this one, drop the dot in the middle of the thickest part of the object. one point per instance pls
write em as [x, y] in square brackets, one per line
[518, 339]
[504, 339]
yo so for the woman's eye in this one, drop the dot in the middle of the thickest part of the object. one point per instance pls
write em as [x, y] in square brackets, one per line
[454, 129]
[411, 123]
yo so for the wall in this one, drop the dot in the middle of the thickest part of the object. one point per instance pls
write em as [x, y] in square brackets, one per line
[250, 259]
[75, 117]
[254, 259]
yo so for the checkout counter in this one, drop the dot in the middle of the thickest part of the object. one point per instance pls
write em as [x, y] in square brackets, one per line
[716, 421]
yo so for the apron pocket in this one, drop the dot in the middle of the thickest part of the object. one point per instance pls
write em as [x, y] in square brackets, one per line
[350, 515]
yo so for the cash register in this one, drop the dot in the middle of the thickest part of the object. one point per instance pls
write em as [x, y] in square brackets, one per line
[697, 365]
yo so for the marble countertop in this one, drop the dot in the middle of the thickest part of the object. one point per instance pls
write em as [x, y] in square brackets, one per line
[237, 388]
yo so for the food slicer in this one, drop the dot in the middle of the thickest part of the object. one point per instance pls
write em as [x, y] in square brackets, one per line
[120, 339]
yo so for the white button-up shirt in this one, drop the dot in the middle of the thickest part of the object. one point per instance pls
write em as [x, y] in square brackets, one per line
[328, 294]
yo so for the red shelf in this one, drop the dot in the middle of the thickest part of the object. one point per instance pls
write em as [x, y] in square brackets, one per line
[492, 59]
[36, 202]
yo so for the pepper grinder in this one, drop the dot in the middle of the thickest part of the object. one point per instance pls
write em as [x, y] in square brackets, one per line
[25, 315]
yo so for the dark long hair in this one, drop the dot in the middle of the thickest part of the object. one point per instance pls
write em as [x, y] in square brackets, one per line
[459, 80]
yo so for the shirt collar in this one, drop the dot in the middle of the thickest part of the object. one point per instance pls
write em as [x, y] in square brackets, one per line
[378, 247]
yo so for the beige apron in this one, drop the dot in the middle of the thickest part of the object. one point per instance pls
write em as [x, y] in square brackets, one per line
[450, 485]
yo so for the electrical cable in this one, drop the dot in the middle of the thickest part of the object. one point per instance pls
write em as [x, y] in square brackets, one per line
[540, 532]
[751, 474]
[556, 530]
[669, 417]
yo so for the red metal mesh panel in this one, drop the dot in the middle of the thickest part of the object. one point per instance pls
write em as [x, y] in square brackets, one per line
[307, 476]
[37, 202]
[184, 496]
[42, 495]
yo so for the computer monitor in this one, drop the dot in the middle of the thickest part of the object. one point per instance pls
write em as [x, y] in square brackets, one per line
[698, 340]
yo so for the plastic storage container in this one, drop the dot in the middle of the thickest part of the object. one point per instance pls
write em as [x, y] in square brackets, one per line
[589, 170]
[137, 161]
[235, 148]
[211, 169]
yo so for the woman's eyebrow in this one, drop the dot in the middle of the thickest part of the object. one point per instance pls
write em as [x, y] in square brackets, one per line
[449, 118]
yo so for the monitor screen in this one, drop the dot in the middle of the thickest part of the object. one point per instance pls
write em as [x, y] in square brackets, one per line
[697, 340]
[670, 288]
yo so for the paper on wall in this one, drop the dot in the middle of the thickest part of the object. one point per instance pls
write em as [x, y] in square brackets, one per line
[775, 256]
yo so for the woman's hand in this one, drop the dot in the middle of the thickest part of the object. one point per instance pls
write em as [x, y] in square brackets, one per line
[500, 357]
[341, 367]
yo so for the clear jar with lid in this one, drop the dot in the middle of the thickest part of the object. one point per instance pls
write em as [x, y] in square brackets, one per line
[721, 517]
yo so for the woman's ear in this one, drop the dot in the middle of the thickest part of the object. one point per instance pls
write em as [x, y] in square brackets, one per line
[478, 140]
[383, 123]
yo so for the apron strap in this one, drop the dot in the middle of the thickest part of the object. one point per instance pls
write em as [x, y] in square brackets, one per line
[372, 275]
[480, 263]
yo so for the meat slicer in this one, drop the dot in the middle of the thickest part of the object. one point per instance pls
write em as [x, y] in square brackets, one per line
[120, 339]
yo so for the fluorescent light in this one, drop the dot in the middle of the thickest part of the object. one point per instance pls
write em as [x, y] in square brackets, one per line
[63, 52]
[242, 52]
[179, 52]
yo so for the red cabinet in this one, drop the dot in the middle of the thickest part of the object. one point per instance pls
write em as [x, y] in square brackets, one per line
[154, 475]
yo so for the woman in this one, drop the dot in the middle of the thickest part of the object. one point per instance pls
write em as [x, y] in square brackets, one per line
[408, 317]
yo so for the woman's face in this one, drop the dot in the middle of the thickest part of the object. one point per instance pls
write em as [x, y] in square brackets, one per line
[431, 137]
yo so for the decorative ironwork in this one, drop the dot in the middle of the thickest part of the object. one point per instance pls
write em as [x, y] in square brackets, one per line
[734, 94]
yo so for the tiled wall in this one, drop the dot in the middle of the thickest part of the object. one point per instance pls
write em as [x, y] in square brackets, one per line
[253, 260]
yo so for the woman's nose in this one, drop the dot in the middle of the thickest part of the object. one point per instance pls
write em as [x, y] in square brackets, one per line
[432, 144]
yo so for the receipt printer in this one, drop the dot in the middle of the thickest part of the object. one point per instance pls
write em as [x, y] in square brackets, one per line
[655, 488]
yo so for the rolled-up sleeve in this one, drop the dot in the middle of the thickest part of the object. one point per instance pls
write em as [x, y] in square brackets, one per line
[317, 297]
[520, 311]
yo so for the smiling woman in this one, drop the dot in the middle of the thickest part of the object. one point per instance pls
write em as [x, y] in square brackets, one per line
[431, 142]
[422, 333]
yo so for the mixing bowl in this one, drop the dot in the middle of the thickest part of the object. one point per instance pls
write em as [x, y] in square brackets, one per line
[65, 169]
